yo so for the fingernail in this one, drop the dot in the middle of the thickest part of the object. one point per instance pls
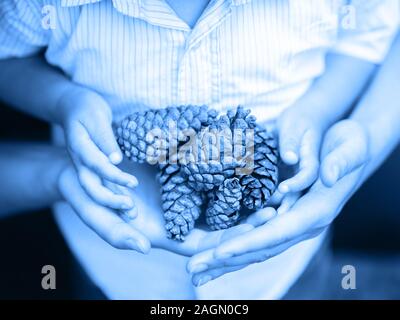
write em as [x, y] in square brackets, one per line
[143, 247]
[291, 157]
[198, 268]
[115, 158]
[133, 244]
[133, 183]
[137, 246]
[283, 188]
[203, 280]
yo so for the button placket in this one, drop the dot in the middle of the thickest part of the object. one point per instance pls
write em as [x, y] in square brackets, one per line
[182, 79]
[205, 29]
[215, 68]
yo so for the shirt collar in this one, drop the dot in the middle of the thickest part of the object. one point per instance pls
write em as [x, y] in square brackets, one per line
[143, 9]
[127, 7]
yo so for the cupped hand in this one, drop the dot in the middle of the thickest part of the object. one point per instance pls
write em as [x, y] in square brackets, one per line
[345, 149]
[296, 219]
[87, 122]
[141, 227]
[300, 136]
[151, 222]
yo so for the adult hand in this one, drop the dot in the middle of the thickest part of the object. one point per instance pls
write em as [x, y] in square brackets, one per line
[139, 228]
[295, 221]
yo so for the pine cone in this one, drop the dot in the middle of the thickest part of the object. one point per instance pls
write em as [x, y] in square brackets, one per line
[256, 169]
[262, 182]
[181, 204]
[137, 134]
[216, 160]
[224, 205]
[230, 180]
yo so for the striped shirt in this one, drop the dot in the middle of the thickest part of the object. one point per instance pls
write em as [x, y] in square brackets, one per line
[140, 54]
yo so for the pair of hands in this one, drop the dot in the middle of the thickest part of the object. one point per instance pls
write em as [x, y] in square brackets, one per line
[343, 151]
[102, 194]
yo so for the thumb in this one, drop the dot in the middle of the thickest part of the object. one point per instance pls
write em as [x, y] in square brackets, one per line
[97, 120]
[103, 136]
[290, 138]
[345, 155]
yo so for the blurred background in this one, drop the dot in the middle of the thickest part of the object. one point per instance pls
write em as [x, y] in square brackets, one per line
[366, 235]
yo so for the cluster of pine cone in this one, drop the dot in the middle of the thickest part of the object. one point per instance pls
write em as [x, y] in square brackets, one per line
[208, 173]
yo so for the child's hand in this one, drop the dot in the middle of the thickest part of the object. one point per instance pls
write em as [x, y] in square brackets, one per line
[87, 122]
[300, 137]
[345, 149]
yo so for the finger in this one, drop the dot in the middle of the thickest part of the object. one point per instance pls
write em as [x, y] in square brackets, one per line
[92, 184]
[288, 202]
[205, 261]
[276, 198]
[344, 159]
[261, 216]
[104, 138]
[199, 240]
[100, 130]
[90, 155]
[212, 239]
[103, 221]
[200, 262]
[202, 278]
[309, 164]
[210, 269]
[284, 228]
[289, 139]
[129, 214]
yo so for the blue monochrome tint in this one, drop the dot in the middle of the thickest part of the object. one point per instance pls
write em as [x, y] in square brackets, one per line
[202, 149]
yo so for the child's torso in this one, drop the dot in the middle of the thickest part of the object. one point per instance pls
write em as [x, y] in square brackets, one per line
[262, 54]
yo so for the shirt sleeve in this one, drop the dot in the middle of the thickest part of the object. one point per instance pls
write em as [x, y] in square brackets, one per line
[21, 30]
[367, 28]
